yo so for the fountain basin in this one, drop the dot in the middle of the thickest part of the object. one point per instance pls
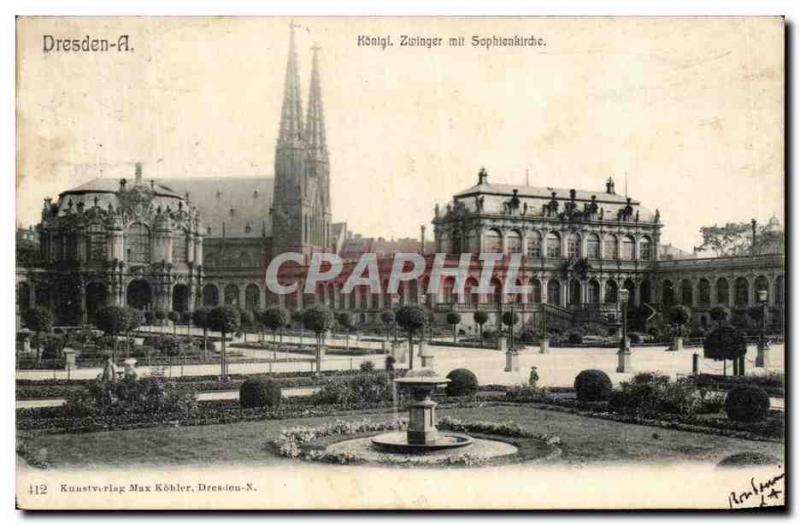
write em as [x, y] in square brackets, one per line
[398, 442]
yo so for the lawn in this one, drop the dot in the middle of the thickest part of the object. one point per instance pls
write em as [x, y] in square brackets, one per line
[584, 440]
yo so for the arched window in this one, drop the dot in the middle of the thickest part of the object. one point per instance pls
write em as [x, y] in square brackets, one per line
[686, 292]
[96, 246]
[723, 291]
[456, 246]
[494, 242]
[610, 247]
[594, 292]
[645, 249]
[553, 245]
[741, 292]
[611, 291]
[179, 247]
[704, 292]
[534, 244]
[252, 297]
[138, 244]
[536, 291]
[761, 284]
[514, 242]
[497, 295]
[573, 246]
[553, 292]
[471, 287]
[244, 260]
[593, 246]
[627, 248]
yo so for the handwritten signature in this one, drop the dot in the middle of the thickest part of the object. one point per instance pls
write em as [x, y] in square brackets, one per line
[760, 493]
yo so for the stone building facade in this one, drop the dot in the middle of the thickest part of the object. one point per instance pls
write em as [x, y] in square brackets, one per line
[117, 242]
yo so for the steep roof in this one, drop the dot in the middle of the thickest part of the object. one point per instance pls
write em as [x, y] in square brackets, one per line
[241, 203]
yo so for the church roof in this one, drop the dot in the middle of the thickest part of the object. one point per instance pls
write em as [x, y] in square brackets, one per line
[242, 204]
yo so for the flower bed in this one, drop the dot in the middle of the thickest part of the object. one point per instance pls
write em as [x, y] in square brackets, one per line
[771, 429]
[308, 443]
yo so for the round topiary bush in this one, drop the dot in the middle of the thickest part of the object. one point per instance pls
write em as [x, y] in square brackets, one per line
[575, 338]
[592, 385]
[747, 403]
[462, 383]
[257, 393]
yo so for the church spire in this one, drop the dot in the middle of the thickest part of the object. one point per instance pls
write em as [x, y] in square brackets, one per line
[292, 112]
[315, 123]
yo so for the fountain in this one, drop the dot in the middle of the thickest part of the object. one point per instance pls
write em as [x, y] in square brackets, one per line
[422, 435]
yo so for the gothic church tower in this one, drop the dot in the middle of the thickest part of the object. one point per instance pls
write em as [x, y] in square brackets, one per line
[301, 213]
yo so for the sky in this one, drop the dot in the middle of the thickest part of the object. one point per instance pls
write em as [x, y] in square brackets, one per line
[689, 110]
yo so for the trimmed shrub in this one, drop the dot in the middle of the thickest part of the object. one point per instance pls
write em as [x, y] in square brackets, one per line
[747, 403]
[462, 383]
[592, 385]
[367, 366]
[257, 393]
[575, 338]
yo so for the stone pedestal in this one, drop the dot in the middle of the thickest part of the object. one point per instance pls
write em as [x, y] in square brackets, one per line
[695, 364]
[624, 358]
[425, 355]
[762, 356]
[502, 344]
[69, 359]
[421, 422]
[544, 346]
[512, 361]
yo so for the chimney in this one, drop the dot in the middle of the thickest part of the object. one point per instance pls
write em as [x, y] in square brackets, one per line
[753, 243]
[610, 186]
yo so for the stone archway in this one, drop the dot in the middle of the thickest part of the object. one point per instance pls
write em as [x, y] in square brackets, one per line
[139, 295]
[180, 298]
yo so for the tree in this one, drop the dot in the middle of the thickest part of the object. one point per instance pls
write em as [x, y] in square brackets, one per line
[38, 319]
[453, 318]
[160, 315]
[224, 319]
[345, 320]
[480, 317]
[186, 318]
[170, 347]
[318, 319]
[174, 317]
[200, 318]
[133, 320]
[296, 318]
[719, 314]
[112, 321]
[275, 318]
[726, 342]
[247, 322]
[411, 318]
[679, 315]
[387, 318]
[510, 319]
[736, 238]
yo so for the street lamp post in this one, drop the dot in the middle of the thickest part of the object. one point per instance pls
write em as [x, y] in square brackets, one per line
[624, 353]
[761, 357]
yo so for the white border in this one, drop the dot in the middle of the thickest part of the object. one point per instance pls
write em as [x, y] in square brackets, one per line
[789, 8]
